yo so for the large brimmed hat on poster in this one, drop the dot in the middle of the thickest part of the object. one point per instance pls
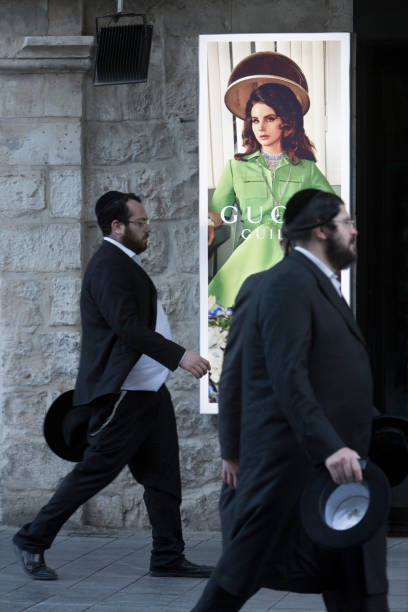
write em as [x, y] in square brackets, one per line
[345, 515]
[258, 69]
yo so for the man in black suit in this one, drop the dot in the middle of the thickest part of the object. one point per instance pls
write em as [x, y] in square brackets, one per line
[126, 355]
[229, 404]
[306, 401]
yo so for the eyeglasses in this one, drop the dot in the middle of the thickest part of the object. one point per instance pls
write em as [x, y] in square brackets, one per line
[349, 222]
[141, 223]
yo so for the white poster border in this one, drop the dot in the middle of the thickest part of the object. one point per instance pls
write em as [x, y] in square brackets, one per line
[344, 38]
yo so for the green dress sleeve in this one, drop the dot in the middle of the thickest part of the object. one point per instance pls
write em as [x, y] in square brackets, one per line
[224, 194]
[318, 180]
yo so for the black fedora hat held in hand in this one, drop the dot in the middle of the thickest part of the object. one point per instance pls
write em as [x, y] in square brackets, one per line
[346, 515]
[389, 447]
[65, 427]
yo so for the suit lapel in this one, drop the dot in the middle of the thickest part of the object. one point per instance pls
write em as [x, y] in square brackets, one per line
[142, 272]
[117, 252]
[331, 294]
[137, 270]
[153, 293]
[341, 305]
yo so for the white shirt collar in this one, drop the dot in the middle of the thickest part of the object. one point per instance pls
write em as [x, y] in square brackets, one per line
[123, 248]
[322, 266]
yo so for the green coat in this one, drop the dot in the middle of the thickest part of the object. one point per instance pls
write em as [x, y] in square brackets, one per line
[246, 186]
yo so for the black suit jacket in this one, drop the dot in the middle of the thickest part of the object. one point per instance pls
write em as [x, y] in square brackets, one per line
[305, 365]
[230, 385]
[118, 312]
[306, 392]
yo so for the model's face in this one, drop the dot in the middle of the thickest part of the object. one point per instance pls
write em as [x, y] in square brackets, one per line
[341, 242]
[267, 127]
[135, 234]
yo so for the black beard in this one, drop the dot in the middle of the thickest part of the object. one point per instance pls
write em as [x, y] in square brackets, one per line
[339, 256]
[132, 244]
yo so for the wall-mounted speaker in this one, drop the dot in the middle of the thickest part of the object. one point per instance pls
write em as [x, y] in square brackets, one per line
[123, 49]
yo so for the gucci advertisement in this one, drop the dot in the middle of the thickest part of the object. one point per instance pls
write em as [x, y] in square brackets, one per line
[274, 119]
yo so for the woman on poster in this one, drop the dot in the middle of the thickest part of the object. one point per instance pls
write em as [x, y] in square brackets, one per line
[269, 91]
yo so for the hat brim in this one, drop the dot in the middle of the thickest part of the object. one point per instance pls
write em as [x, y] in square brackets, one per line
[313, 505]
[389, 447]
[53, 428]
[386, 420]
[239, 92]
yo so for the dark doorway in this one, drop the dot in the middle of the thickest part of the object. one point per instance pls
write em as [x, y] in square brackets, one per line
[382, 213]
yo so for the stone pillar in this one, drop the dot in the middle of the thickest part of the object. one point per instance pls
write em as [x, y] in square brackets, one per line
[41, 107]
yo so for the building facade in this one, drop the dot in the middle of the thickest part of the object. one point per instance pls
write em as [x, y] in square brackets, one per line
[63, 142]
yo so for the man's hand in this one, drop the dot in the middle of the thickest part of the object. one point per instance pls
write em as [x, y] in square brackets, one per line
[195, 364]
[344, 467]
[229, 472]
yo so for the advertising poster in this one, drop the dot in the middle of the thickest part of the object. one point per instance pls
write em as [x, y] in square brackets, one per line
[263, 97]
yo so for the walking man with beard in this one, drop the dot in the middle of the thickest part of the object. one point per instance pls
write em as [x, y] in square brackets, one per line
[306, 401]
[126, 355]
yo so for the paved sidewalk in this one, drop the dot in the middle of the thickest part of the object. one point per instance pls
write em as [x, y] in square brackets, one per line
[107, 572]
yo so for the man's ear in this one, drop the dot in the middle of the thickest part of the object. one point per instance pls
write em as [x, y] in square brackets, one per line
[117, 228]
[320, 232]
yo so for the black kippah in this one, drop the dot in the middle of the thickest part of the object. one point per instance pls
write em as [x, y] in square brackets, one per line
[307, 209]
[107, 198]
[297, 203]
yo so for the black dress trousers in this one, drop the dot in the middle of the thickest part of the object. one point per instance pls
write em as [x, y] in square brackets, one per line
[141, 433]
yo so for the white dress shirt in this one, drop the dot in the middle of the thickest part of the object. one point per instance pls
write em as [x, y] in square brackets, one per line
[329, 273]
[147, 374]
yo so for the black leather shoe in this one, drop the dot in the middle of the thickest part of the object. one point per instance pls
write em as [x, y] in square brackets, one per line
[34, 564]
[183, 569]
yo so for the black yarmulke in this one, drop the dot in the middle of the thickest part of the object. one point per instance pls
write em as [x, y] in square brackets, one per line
[308, 209]
[297, 204]
[107, 198]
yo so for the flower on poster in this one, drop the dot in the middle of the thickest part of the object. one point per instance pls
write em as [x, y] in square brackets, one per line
[219, 322]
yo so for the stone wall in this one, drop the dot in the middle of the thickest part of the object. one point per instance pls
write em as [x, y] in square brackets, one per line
[63, 142]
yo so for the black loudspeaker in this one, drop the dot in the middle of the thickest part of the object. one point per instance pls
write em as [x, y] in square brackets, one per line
[123, 49]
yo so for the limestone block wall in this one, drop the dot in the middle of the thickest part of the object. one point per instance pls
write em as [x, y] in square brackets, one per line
[41, 182]
[63, 142]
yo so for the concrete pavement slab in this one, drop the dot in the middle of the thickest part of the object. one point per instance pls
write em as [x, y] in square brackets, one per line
[108, 572]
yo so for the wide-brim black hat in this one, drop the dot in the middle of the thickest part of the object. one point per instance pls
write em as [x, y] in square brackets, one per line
[342, 516]
[389, 447]
[65, 427]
